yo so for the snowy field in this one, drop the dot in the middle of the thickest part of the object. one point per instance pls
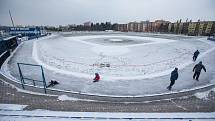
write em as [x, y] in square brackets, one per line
[130, 64]
[13, 112]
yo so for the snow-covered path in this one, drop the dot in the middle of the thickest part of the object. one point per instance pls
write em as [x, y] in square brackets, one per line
[119, 86]
[18, 114]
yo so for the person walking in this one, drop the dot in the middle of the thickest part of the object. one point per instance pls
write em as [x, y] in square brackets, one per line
[195, 55]
[174, 76]
[197, 68]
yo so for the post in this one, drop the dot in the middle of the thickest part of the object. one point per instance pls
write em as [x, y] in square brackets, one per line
[44, 80]
[21, 77]
[34, 83]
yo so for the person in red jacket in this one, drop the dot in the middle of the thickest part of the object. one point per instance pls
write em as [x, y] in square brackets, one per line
[97, 77]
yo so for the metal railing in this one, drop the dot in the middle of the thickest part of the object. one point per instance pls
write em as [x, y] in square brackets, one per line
[23, 78]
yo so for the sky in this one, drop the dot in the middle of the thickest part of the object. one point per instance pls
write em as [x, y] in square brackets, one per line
[64, 12]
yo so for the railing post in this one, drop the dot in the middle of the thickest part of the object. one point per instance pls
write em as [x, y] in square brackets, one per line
[21, 76]
[44, 80]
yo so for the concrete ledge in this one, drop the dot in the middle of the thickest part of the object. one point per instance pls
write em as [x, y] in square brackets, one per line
[130, 99]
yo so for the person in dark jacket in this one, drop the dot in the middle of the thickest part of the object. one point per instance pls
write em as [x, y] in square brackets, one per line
[52, 83]
[97, 77]
[197, 68]
[195, 55]
[174, 76]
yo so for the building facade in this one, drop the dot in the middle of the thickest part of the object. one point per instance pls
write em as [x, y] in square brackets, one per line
[123, 27]
[210, 28]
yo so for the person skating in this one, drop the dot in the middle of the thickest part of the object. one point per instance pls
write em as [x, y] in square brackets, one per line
[195, 55]
[97, 77]
[174, 76]
[197, 68]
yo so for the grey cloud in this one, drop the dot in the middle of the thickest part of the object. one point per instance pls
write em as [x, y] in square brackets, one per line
[56, 12]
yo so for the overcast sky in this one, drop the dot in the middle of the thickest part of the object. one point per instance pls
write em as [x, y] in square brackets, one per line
[63, 12]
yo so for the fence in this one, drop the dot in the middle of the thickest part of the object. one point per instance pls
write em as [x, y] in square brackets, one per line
[23, 77]
[5, 47]
[3, 57]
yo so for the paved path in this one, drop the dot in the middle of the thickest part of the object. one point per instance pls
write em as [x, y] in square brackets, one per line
[9, 95]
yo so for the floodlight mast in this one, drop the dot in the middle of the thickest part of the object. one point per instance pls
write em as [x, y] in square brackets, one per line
[11, 18]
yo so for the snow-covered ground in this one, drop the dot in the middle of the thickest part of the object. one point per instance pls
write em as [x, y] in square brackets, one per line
[12, 107]
[16, 113]
[130, 58]
[140, 64]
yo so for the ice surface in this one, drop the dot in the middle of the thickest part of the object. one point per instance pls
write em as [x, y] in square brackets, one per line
[116, 40]
[143, 69]
[69, 55]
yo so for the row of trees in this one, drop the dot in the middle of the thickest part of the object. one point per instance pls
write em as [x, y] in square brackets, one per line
[91, 27]
[97, 27]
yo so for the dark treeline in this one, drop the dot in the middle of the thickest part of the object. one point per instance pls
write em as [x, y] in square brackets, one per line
[91, 27]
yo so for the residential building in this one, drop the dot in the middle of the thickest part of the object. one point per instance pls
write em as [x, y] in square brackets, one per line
[87, 24]
[123, 27]
[192, 28]
[170, 28]
[161, 26]
[202, 28]
[185, 28]
[176, 27]
[210, 29]
[133, 26]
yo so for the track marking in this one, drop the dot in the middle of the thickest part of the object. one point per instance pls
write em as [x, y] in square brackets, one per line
[179, 106]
